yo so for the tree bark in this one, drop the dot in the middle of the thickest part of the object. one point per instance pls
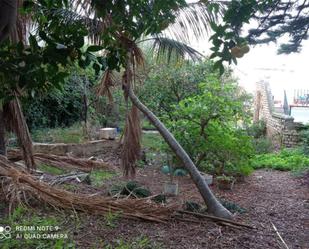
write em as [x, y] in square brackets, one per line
[2, 134]
[213, 205]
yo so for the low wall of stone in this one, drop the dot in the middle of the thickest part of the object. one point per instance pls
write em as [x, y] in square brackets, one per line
[281, 128]
[87, 149]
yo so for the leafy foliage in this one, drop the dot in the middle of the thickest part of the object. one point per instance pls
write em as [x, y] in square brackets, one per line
[61, 107]
[305, 140]
[39, 62]
[207, 126]
[73, 134]
[273, 19]
[285, 160]
[261, 143]
[166, 85]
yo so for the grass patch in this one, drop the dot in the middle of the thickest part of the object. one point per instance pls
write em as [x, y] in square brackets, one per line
[138, 243]
[146, 125]
[286, 160]
[152, 141]
[97, 177]
[33, 236]
[73, 134]
[51, 169]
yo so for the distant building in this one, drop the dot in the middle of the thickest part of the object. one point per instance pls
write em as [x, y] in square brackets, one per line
[299, 109]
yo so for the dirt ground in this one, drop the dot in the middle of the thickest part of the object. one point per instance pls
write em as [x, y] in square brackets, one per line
[268, 197]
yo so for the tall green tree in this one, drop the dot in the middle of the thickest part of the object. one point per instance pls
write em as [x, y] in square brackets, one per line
[34, 57]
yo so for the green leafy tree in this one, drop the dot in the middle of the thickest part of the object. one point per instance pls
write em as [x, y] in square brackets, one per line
[209, 125]
[37, 61]
[165, 85]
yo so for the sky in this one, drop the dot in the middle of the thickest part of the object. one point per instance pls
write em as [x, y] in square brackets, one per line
[283, 72]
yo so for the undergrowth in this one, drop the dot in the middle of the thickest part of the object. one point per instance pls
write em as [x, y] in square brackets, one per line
[26, 230]
[98, 176]
[139, 243]
[286, 160]
[73, 134]
[51, 169]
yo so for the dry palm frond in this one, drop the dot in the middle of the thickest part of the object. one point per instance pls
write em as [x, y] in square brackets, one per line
[21, 186]
[132, 134]
[16, 122]
[131, 142]
[62, 162]
[108, 81]
[137, 55]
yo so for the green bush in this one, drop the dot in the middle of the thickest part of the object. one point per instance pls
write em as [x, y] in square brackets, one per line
[206, 125]
[262, 145]
[305, 140]
[258, 129]
[239, 170]
[73, 134]
[166, 85]
[285, 160]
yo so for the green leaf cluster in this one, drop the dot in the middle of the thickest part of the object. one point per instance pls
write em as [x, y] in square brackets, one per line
[285, 160]
[209, 126]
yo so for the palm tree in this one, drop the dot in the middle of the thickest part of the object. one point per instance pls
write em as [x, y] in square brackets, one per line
[195, 17]
[134, 59]
[11, 115]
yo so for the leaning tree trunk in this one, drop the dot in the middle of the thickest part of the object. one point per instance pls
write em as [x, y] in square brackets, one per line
[213, 205]
[2, 134]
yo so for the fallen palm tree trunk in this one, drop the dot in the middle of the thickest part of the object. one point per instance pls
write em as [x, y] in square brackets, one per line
[20, 186]
[62, 161]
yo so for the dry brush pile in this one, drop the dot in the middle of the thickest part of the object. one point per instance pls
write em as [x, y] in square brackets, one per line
[18, 186]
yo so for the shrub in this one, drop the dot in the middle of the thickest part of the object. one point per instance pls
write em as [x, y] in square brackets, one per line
[206, 125]
[305, 140]
[262, 145]
[285, 160]
[258, 129]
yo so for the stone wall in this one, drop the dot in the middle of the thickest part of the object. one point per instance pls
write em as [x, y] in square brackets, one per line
[92, 148]
[280, 128]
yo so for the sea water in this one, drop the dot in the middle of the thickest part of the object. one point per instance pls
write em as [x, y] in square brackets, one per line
[300, 114]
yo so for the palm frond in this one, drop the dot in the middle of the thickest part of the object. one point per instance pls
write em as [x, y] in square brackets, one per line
[108, 81]
[194, 20]
[167, 48]
[131, 143]
[82, 7]
[94, 25]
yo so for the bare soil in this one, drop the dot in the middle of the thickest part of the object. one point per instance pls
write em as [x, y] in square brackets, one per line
[268, 197]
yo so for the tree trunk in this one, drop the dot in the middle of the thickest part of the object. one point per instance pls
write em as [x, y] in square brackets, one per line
[213, 205]
[2, 134]
[17, 124]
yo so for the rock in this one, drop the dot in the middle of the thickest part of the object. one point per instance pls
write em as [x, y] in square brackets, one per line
[108, 133]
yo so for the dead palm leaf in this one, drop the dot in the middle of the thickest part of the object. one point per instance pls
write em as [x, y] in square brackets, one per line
[15, 121]
[131, 143]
